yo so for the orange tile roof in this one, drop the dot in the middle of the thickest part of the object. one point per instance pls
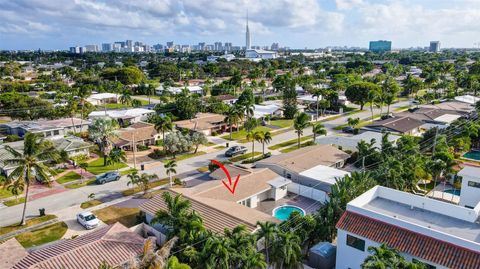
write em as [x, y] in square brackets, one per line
[415, 244]
[114, 244]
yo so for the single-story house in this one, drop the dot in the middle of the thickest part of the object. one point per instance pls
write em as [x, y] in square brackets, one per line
[114, 244]
[176, 90]
[397, 125]
[74, 146]
[47, 128]
[453, 106]
[271, 110]
[140, 133]
[124, 116]
[227, 99]
[98, 99]
[207, 123]
[432, 117]
[469, 99]
[315, 166]
[350, 142]
[260, 54]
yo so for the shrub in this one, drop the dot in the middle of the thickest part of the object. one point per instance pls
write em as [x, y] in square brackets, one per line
[157, 154]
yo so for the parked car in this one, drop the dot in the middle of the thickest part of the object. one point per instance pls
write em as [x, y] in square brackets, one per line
[87, 220]
[107, 177]
[235, 150]
[348, 129]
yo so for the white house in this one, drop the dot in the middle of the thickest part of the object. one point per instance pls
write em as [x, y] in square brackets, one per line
[46, 128]
[124, 115]
[261, 111]
[176, 90]
[260, 54]
[440, 234]
[469, 99]
[98, 99]
[470, 192]
[350, 142]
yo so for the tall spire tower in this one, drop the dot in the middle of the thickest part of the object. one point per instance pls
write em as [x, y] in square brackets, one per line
[248, 44]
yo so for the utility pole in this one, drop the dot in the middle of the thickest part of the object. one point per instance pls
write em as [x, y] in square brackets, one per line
[134, 148]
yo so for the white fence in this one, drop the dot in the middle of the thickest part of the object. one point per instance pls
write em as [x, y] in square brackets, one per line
[308, 192]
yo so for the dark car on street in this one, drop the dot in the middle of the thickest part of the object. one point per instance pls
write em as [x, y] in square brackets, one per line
[107, 177]
[235, 150]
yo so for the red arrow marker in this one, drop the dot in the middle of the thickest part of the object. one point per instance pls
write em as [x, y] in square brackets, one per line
[229, 185]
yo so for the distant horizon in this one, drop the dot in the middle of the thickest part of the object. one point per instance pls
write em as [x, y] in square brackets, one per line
[60, 24]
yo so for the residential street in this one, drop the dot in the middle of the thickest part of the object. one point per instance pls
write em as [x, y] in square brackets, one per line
[185, 168]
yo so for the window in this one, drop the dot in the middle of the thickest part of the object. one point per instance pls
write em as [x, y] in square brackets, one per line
[289, 176]
[56, 132]
[47, 134]
[474, 184]
[355, 242]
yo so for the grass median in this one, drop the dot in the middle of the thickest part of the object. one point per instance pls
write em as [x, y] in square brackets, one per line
[30, 222]
[68, 177]
[43, 235]
[288, 143]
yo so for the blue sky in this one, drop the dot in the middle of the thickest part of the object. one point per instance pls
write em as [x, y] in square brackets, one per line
[58, 24]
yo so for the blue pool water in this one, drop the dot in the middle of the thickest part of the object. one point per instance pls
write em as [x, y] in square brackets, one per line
[454, 192]
[474, 155]
[283, 212]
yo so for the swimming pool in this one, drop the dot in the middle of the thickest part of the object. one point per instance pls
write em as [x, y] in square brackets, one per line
[454, 192]
[474, 155]
[284, 211]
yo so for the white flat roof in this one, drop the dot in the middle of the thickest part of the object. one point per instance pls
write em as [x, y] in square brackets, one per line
[469, 99]
[352, 141]
[105, 95]
[324, 173]
[447, 118]
[123, 113]
[262, 110]
[309, 98]
[444, 221]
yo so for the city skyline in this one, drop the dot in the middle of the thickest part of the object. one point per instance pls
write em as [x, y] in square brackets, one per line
[31, 24]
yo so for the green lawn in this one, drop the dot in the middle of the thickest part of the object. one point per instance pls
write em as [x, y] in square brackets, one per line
[289, 143]
[13, 202]
[242, 134]
[401, 108]
[70, 176]
[184, 156]
[113, 214]
[79, 184]
[219, 147]
[4, 193]
[244, 156]
[96, 167]
[152, 184]
[30, 222]
[152, 97]
[281, 123]
[90, 203]
[203, 169]
[361, 124]
[42, 236]
[119, 105]
[306, 144]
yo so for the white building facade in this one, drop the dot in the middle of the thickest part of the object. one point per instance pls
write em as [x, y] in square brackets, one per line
[439, 234]
[470, 192]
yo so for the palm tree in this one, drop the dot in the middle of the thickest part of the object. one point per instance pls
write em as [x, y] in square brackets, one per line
[352, 122]
[116, 156]
[126, 97]
[163, 124]
[144, 181]
[159, 259]
[233, 117]
[385, 257]
[266, 139]
[373, 97]
[176, 213]
[101, 131]
[170, 169]
[29, 162]
[16, 188]
[300, 122]
[267, 230]
[82, 94]
[317, 94]
[318, 129]
[136, 103]
[286, 250]
[133, 178]
[254, 136]
[83, 167]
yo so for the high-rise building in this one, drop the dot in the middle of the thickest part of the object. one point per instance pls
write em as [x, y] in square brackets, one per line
[107, 47]
[274, 46]
[228, 46]
[248, 44]
[434, 46]
[91, 48]
[201, 46]
[218, 46]
[129, 43]
[380, 46]
[170, 44]
[74, 49]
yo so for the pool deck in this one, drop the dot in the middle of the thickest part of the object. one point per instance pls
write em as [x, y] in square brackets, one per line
[439, 193]
[309, 205]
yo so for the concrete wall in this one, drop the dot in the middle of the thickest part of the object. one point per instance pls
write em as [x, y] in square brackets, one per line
[469, 196]
[308, 192]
